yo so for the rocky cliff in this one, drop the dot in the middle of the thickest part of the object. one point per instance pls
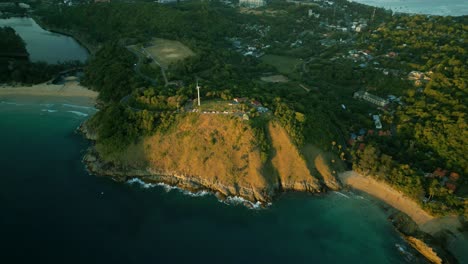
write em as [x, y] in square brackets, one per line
[215, 152]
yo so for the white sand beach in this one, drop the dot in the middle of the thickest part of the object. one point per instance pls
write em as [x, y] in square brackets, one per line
[71, 92]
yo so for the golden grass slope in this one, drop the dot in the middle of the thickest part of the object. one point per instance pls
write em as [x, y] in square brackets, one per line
[290, 165]
[217, 148]
[217, 152]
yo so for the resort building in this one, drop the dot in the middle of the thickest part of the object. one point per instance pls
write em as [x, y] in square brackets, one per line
[370, 98]
[252, 3]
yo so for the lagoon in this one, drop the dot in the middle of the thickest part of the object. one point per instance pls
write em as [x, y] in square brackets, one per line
[44, 45]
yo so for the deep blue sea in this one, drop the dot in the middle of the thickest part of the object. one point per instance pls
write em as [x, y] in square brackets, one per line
[53, 211]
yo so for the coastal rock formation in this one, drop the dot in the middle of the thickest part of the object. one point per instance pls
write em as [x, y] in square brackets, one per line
[324, 169]
[210, 152]
[431, 247]
[290, 165]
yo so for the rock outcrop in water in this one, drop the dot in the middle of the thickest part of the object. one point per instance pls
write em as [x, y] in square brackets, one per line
[210, 152]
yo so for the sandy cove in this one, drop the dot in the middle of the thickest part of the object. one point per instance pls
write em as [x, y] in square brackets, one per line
[70, 91]
[399, 201]
[458, 241]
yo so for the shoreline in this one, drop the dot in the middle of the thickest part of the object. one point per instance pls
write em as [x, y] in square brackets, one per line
[444, 233]
[387, 194]
[70, 91]
[90, 48]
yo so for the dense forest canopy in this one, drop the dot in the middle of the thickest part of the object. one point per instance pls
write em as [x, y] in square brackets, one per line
[10, 42]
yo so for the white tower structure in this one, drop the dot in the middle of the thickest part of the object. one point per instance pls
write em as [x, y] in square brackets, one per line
[198, 93]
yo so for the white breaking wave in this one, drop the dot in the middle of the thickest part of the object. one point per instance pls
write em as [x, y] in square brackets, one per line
[230, 200]
[197, 194]
[166, 187]
[141, 183]
[10, 103]
[242, 201]
[342, 194]
[49, 110]
[78, 113]
[79, 106]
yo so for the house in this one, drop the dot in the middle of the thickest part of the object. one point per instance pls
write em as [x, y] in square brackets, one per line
[240, 100]
[166, 1]
[392, 54]
[439, 173]
[454, 176]
[377, 122]
[245, 117]
[362, 146]
[262, 109]
[256, 103]
[370, 98]
[451, 186]
[385, 133]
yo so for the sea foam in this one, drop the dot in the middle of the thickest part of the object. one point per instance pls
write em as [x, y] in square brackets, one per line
[342, 194]
[79, 106]
[230, 200]
[49, 110]
[141, 183]
[10, 103]
[235, 200]
[78, 113]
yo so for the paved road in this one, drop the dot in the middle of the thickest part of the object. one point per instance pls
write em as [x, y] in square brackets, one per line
[163, 72]
[136, 68]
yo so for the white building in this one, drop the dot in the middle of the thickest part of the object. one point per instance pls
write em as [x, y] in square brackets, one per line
[377, 122]
[252, 3]
[370, 98]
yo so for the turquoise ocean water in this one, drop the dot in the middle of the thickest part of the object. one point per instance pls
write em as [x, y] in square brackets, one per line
[53, 211]
[428, 7]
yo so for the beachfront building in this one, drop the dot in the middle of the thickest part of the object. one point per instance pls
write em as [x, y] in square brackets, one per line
[370, 98]
[252, 3]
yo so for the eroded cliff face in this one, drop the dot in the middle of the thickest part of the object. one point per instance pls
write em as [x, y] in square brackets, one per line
[289, 164]
[214, 152]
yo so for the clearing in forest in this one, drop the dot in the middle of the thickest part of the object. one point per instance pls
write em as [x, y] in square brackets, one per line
[284, 64]
[168, 51]
[275, 79]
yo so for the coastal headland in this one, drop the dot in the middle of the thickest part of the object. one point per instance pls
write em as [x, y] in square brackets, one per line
[210, 152]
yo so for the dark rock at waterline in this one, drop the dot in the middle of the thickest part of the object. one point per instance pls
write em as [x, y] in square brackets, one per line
[410, 230]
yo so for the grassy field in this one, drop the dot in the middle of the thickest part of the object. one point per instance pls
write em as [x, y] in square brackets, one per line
[168, 51]
[275, 79]
[283, 64]
[218, 105]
